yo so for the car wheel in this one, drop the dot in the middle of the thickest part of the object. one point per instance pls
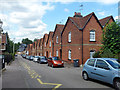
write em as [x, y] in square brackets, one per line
[117, 84]
[85, 76]
[52, 66]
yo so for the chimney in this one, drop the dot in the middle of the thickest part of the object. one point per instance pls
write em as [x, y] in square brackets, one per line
[77, 14]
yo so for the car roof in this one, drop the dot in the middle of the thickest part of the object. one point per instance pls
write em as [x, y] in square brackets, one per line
[106, 58]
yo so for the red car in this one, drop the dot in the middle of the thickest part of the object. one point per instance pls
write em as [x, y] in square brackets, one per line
[55, 61]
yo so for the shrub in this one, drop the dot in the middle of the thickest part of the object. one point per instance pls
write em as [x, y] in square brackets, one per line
[97, 55]
[107, 53]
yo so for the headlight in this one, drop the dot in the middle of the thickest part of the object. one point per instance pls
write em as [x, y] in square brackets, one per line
[62, 62]
[55, 62]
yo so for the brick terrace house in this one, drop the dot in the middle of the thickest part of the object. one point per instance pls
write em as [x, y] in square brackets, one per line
[44, 49]
[34, 48]
[49, 45]
[38, 47]
[41, 46]
[107, 20]
[57, 40]
[81, 37]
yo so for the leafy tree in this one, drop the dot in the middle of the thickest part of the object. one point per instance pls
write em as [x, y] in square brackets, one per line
[17, 46]
[35, 39]
[111, 38]
[26, 41]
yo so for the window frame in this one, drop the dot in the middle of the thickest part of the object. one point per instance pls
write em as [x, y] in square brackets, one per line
[92, 36]
[57, 53]
[50, 44]
[69, 37]
[57, 39]
[69, 54]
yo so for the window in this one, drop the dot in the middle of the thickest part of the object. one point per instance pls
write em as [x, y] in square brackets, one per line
[92, 35]
[91, 62]
[50, 44]
[57, 39]
[45, 44]
[56, 52]
[101, 64]
[41, 47]
[69, 37]
[45, 54]
[50, 54]
[69, 54]
[92, 53]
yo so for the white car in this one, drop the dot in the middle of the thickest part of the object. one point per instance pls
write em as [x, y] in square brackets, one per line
[36, 59]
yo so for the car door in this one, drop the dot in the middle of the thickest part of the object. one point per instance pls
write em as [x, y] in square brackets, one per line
[102, 71]
[90, 67]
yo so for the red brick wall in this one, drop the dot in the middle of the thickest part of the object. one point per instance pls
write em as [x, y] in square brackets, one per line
[49, 49]
[76, 41]
[44, 47]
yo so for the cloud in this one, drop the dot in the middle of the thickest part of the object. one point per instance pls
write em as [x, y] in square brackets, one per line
[24, 20]
[101, 13]
[116, 18]
[66, 10]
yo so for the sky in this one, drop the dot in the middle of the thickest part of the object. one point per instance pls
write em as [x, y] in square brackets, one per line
[33, 18]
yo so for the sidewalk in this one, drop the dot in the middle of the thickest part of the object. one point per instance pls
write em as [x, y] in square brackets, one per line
[12, 76]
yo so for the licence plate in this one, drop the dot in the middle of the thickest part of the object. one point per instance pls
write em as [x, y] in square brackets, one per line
[59, 64]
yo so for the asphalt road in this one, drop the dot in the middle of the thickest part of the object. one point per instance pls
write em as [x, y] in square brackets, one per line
[23, 73]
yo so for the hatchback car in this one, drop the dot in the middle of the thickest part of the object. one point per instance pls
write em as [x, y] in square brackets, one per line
[43, 59]
[31, 58]
[55, 61]
[103, 69]
[36, 59]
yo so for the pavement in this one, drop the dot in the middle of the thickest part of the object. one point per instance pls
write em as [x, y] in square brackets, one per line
[23, 73]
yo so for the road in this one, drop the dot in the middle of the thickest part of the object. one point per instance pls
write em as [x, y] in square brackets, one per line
[23, 73]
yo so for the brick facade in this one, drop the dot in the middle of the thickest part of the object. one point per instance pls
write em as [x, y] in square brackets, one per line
[57, 45]
[49, 45]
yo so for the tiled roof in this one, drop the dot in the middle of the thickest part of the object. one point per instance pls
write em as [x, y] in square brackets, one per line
[58, 27]
[104, 20]
[81, 22]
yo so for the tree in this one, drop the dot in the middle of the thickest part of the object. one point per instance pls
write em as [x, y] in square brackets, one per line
[111, 38]
[35, 39]
[26, 41]
[17, 46]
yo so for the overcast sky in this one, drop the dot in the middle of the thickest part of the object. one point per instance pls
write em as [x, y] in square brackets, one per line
[33, 18]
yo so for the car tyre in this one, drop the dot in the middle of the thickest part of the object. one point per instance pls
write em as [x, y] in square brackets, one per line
[117, 84]
[85, 76]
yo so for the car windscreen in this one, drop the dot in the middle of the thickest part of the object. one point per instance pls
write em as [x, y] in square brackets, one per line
[55, 58]
[43, 58]
[114, 63]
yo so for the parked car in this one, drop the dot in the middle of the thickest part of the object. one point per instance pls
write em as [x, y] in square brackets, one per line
[31, 58]
[43, 59]
[27, 57]
[23, 55]
[55, 61]
[36, 59]
[103, 69]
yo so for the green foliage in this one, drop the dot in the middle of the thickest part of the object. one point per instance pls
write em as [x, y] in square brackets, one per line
[17, 46]
[26, 41]
[107, 53]
[97, 55]
[111, 38]
[35, 39]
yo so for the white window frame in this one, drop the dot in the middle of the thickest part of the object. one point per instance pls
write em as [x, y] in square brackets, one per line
[57, 39]
[50, 44]
[56, 52]
[69, 37]
[45, 54]
[91, 53]
[45, 44]
[49, 54]
[92, 35]
[69, 54]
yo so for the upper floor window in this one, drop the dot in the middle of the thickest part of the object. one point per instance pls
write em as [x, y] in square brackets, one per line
[50, 44]
[69, 54]
[56, 52]
[45, 44]
[50, 54]
[69, 37]
[57, 39]
[92, 35]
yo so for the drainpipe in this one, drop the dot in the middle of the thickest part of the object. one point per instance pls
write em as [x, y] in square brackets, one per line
[82, 47]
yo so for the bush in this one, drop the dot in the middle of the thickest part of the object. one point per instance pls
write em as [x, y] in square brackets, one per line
[97, 55]
[107, 53]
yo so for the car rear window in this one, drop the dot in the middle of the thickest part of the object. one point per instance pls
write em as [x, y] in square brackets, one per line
[91, 62]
